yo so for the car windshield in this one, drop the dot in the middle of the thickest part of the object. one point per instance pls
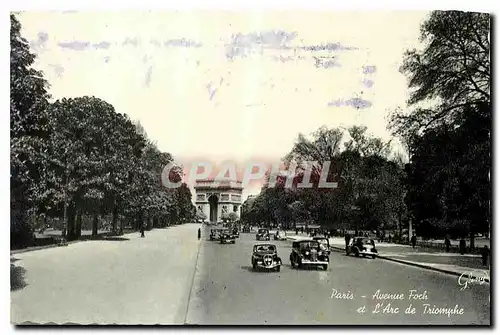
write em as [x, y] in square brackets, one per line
[308, 244]
[265, 248]
[262, 231]
[363, 240]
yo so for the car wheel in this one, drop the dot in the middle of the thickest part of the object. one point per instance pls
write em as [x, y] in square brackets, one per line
[234, 242]
[254, 265]
[357, 253]
[278, 268]
[325, 267]
[373, 256]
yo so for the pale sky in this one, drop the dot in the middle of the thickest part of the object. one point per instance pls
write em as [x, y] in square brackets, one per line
[229, 85]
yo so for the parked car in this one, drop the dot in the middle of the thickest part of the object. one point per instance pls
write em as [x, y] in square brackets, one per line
[362, 246]
[324, 244]
[214, 234]
[262, 235]
[236, 233]
[265, 256]
[308, 252]
[226, 236]
[280, 235]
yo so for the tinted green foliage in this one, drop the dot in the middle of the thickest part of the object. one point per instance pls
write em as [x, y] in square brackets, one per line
[79, 157]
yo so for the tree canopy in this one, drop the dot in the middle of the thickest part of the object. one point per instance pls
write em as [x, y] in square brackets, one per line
[79, 157]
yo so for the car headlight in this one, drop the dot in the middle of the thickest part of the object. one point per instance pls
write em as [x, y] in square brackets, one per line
[307, 253]
[320, 253]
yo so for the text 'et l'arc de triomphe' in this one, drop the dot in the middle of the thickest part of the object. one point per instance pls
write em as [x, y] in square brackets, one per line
[215, 198]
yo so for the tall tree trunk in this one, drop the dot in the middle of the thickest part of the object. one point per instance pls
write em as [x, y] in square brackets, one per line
[115, 217]
[471, 237]
[78, 230]
[71, 231]
[95, 223]
[122, 222]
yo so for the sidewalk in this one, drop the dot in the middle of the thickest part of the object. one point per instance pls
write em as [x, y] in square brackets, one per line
[451, 263]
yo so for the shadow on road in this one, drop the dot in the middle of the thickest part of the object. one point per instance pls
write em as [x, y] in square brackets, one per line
[17, 275]
[114, 238]
[258, 270]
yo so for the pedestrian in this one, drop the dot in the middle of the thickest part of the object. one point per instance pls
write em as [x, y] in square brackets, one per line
[413, 241]
[485, 252]
[447, 244]
[461, 246]
[199, 233]
[296, 231]
[142, 230]
[347, 240]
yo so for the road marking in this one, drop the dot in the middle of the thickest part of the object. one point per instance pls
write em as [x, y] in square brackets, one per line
[192, 281]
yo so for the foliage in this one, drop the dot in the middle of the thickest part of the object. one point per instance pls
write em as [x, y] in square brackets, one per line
[450, 142]
[370, 187]
[78, 156]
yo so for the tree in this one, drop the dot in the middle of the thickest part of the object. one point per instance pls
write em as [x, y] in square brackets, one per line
[201, 216]
[28, 132]
[232, 217]
[449, 142]
[453, 70]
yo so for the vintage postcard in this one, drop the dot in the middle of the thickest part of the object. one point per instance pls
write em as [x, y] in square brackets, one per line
[279, 167]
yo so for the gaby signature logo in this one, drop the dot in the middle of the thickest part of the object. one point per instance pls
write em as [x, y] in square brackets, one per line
[467, 278]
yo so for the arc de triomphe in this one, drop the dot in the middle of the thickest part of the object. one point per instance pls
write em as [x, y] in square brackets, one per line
[215, 198]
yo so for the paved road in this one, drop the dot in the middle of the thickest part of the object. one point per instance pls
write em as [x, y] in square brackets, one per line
[228, 291]
[153, 281]
[135, 281]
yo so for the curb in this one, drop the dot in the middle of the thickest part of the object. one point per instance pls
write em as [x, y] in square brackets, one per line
[49, 246]
[450, 272]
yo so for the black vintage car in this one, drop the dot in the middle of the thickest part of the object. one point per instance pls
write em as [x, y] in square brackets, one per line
[214, 234]
[262, 235]
[362, 246]
[308, 252]
[265, 256]
[226, 236]
[324, 243]
[236, 232]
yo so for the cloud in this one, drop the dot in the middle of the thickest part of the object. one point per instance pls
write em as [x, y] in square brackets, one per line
[368, 83]
[242, 45]
[211, 90]
[149, 73]
[183, 42]
[326, 63]
[354, 102]
[74, 45]
[328, 47]
[58, 69]
[283, 59]
[130, 41]
[40, 42]
[369, 69]
[101, 45]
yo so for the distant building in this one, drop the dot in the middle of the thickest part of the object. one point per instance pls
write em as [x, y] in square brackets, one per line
[215, 198]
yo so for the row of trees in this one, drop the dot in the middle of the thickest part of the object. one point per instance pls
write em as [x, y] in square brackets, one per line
[369, 194]
[78, 157]
[445, 187]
